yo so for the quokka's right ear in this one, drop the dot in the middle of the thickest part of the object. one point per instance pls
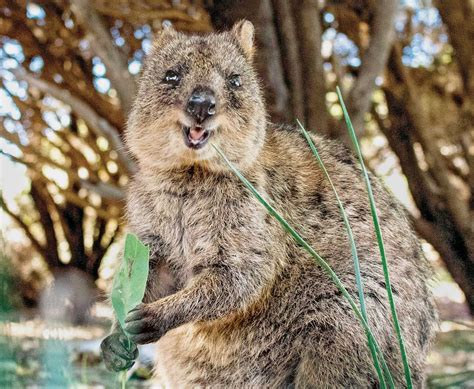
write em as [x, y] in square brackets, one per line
[165, 35]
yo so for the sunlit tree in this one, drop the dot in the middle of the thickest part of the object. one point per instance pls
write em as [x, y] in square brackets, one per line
[68, 73]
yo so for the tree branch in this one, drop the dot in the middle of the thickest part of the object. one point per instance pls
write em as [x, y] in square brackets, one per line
[460, 267]
[373, 61]
[104, 190]
[101, 42]
[309, 33]
[458, 209]
[38, 247]
[40, 200]
[95, 122]
[225, 13]
[458, 15]
[270, 63]
[467, 144]
[140, 12]
[290, 56]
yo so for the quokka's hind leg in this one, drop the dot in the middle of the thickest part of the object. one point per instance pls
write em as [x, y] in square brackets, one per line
[337, 355]
[335, 373]
[196, 356]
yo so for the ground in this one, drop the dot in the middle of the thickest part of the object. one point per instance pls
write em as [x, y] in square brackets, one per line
[35, 352]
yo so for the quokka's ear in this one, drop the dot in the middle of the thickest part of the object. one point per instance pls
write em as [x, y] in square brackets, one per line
[244, 31]
[166, 34]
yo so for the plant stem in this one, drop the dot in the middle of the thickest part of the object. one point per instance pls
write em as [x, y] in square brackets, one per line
[355, 257]
[272, 211]
[123, 379]
[380, 243]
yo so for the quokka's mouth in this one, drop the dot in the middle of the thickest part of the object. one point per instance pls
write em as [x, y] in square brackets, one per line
[195, 136]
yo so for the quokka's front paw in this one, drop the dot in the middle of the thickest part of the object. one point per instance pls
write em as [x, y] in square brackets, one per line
[144, 325]
[118, 352]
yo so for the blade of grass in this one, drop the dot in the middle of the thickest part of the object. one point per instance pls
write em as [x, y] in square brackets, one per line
[319, 260]
[378, 233]
[355, 257]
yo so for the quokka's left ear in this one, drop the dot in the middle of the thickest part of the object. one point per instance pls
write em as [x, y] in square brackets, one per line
[244, 31]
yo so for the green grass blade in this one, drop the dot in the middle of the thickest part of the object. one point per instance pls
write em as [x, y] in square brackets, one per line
[319, 260]
[355, 257]
[378, 232]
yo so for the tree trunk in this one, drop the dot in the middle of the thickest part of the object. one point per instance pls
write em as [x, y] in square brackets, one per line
[309, 32]
[440, 221]
[39, 198]
[224, 13]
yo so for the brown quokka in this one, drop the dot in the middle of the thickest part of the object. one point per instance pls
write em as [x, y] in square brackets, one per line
[232, 300]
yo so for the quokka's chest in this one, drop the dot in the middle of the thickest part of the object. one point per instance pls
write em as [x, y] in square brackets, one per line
[203, 223]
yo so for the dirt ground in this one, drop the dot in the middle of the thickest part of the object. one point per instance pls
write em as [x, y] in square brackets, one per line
[41, 354]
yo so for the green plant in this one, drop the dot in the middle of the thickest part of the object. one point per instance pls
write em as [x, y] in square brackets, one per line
[361, 314]
[355, 257]
[129, 284]
[319, 260]
[378, 232]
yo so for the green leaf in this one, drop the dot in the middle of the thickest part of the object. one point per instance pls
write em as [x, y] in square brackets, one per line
[318, 259]
[119, 291]
[378, 233]
[129, 284]
[355, 257]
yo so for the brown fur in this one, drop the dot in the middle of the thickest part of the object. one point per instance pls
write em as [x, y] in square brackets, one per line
[232, 300]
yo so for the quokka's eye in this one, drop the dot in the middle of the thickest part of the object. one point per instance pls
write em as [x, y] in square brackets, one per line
[172, 78]
[235, 81]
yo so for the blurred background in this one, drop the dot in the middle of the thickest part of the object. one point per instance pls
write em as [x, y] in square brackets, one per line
[68, 71]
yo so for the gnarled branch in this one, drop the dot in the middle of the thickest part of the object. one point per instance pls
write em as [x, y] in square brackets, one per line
[373, 61]
[95, 122]
[101, 42]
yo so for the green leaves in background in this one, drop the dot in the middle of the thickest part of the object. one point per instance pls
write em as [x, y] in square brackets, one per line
[130, 281]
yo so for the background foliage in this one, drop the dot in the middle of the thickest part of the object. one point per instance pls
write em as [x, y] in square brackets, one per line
[68, 75]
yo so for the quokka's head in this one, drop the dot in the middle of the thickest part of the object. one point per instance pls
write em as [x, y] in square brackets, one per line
[194, 91]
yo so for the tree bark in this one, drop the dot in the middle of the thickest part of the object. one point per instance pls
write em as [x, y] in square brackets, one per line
[452, 251]
[458, 15]
[291, 58]
[373, 62]
[309, 32]
[224, 13]
[51, 247]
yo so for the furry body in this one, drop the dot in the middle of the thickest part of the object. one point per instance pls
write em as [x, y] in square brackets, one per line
[232, 301]
[275, 317]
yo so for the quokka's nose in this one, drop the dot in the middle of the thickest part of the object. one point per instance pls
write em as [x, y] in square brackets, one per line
[201, 104]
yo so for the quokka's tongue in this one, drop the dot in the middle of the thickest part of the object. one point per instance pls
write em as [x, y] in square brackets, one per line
[196, 133]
